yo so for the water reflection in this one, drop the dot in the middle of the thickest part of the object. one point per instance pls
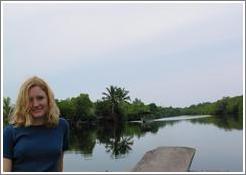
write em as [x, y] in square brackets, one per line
[118, 138]
[83, 139]
[227, 123]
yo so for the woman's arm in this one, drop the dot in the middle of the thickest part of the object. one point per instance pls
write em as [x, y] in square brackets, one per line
[60, 164]
[7, 165]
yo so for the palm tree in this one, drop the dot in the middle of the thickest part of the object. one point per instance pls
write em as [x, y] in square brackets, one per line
[115, 96]
[122, 95]
[110, 96]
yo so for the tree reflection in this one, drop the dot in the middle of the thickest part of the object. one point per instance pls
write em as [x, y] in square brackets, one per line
[226, 122]
[83, 139]
[117, 138]
[114, 137]
[119, 146]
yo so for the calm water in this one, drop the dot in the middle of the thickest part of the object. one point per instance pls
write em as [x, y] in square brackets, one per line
[108, 147]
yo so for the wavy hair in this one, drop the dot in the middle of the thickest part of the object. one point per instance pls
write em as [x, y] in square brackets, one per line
[21, 115]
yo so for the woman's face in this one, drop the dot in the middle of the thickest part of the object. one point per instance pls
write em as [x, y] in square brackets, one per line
[38, 102]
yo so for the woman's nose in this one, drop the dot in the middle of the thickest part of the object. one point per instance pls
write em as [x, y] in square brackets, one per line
[35, 103]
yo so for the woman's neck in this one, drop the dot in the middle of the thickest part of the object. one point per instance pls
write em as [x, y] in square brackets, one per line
[37, 121]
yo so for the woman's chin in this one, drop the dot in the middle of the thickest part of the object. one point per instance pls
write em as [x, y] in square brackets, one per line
[38, 116]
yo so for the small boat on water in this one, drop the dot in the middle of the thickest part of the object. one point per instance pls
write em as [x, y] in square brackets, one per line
[166, 159]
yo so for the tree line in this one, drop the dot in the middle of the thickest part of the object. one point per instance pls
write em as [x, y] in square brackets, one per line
[116, 105]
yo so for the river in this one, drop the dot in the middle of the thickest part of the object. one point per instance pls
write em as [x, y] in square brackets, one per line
[118, 147]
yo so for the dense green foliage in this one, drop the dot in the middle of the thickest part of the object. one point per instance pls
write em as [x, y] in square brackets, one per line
[225, 106]
[79, 108]
[7, 109]
[115, 105]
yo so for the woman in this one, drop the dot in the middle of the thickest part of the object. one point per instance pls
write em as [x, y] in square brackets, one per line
[36, 137]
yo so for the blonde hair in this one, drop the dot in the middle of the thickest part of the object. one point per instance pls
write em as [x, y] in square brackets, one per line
[21, 114]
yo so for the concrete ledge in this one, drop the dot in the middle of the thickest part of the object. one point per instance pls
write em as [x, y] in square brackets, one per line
[166, 159]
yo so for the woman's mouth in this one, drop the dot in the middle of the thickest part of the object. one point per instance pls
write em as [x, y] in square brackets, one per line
[37, 110]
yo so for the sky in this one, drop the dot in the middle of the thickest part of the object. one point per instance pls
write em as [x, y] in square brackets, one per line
[171, 54]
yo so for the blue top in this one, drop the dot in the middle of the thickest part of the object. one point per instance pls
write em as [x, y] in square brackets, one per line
[35, 148]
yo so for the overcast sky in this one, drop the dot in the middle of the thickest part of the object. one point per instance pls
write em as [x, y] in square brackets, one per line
[172, 54]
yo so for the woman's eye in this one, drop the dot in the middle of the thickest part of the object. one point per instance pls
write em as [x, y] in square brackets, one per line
[40, 97]
[30, 99]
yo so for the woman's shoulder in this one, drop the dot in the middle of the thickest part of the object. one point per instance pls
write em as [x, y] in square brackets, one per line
[63, 122]
[8, 130]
